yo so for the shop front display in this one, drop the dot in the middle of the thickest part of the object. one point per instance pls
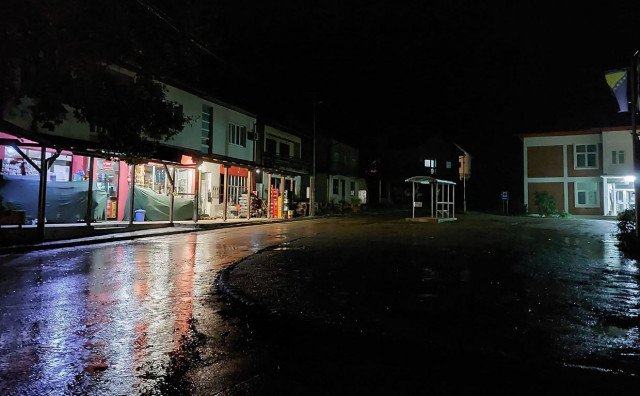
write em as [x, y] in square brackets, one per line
[107, 181]
[13, 164]
[154, 177]
[153, 193]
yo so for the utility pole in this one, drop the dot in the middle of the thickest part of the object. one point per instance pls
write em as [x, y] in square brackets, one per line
[312, 187]
[464, 184]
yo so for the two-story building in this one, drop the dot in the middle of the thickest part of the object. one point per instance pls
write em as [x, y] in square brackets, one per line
[586, 171]
[220, 143]
[206, 171]
[338, 175]
[433, 156]
[282, 173]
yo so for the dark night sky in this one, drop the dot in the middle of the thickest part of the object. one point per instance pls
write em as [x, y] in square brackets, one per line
[473, 71]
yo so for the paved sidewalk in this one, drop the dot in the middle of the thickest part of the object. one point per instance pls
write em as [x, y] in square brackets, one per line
[67, 235]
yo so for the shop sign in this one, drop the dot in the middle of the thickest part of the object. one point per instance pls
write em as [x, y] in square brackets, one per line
[107, 165]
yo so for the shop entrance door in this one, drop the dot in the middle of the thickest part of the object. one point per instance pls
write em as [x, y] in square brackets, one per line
[107, 173]
[206, 195]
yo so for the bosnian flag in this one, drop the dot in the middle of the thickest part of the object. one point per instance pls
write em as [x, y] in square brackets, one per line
[617, 81]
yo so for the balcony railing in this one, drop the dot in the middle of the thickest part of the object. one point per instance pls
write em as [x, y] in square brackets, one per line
[284, 162]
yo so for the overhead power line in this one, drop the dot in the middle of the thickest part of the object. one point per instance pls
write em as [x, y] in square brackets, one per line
[167, 20]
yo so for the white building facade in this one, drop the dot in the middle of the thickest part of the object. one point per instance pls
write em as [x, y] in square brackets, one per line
[587, 171]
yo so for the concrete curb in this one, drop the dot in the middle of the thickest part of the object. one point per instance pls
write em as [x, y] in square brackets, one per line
[127, 234]
[120, 236]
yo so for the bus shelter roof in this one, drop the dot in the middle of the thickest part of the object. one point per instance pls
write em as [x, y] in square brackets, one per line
[427, 180]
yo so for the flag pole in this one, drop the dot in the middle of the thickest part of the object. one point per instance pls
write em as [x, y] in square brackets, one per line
[636, 146]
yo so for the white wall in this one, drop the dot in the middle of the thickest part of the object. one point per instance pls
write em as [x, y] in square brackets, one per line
[70, 127]
[222, 116]
[592, 138]
[617, 141]
[190, 137]
[347, 195]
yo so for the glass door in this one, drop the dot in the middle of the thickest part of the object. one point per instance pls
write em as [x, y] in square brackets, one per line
[625, 199]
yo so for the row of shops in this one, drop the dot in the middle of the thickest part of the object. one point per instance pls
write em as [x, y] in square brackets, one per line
[188, 188]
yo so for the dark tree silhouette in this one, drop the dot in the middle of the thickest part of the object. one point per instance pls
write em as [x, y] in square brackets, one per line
[64, 59]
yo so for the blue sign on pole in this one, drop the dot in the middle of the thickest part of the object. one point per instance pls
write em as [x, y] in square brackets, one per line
[505, 201]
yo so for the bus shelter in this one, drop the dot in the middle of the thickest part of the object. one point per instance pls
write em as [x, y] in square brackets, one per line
[442, 197]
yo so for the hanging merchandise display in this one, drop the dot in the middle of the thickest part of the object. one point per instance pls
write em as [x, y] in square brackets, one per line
[274, 202]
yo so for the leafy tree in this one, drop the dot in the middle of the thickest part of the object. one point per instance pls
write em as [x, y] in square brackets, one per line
[60, 55]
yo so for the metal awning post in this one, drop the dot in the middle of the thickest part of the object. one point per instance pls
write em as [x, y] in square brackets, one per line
[431, 199]
[437, 198]
[448, 201]
[225, 193]
[453, 204]
[448, 204]
[196, 196]
[89, 216]
[173, 194]
[445, 203]
[249, 187]
[442, 199]
[464, 185]
[413, 199]
[132, 189]
[42, 193]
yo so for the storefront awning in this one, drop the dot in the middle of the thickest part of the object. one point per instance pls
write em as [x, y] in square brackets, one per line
[22, 134]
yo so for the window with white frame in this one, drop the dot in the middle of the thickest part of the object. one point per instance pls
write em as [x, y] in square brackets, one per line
[336, 186]
[586, 156]
[430, 164]
[238, 135]
[587, 195]
[617, 157]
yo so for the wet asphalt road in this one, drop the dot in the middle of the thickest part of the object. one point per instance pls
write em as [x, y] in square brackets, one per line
[361, 305]
[123, 318]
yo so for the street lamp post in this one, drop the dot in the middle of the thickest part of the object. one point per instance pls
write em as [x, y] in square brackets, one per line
[636, 142]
